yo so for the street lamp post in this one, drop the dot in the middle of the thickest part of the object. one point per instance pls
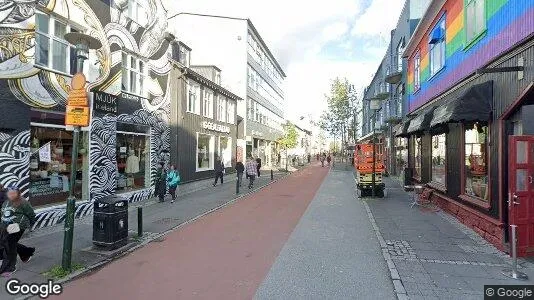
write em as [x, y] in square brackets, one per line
[83, 43]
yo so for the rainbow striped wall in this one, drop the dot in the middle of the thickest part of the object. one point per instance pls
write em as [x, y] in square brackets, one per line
[507, 23]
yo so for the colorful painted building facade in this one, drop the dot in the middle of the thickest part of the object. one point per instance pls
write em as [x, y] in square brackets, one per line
[470, 103]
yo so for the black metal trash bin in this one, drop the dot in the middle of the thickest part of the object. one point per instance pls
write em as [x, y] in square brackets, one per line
[110, 222]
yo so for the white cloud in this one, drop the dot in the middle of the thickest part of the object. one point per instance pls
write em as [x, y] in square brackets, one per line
[378, 19]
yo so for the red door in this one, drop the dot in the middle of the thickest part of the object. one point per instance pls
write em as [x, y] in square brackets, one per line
[521, 192]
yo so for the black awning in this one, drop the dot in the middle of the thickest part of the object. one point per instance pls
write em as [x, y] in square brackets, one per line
[473, 105]
[421, 122]
[401, 130]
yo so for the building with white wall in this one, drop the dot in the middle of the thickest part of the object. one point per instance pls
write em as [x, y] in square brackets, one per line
[250, 70]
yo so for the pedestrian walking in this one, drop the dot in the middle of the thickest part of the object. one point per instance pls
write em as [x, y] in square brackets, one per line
[258, 166]
[329, 159]
[251, 169]
[240, 169]
[323, 157]
[161, 182]
[17, 217]
[173, 180]
[309, 158]
[219, 171]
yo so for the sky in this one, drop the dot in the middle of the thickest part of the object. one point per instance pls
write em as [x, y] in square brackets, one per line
[314, 41]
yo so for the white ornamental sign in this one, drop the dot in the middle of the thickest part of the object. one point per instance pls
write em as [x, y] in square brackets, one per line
[215, 127]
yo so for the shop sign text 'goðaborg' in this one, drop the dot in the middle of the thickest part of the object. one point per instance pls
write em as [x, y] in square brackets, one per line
[215, 127]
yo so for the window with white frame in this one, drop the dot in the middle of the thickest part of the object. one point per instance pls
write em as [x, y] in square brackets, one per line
[51, 48]
[207, 103]
[437, 47]
[193, 98]
[475, 20]
[400, 51]
[133, 75]
[230, 112]
[137, 12]
[417, 71]
[250, 109]
[221, 108]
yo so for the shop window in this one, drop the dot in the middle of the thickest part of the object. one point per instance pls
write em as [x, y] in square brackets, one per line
[438, 159]
[52, 50]
[205, 152]
[207, 106]
[437, 47]
[225, 150]
[133, 75]
[133, 157]
[193, 98]
[221, 108]
[476, 161]
[418, 150]
[475, 19]
[50, 162]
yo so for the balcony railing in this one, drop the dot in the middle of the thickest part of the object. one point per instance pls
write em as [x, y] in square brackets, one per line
[382, 91]
[394, 109]
[394, 71]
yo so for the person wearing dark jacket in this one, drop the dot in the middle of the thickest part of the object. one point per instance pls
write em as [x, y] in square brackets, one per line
[258, 165]
[219, 171]
[3, 195]
[17, 217]
[240, 169]
[161, 182]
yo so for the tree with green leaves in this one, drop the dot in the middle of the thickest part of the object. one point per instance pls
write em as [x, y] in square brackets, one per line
[289, 139]
[338, 119]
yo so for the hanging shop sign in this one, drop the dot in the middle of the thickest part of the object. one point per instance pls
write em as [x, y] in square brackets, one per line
[105, 103]
[215, 127]
[77, 112]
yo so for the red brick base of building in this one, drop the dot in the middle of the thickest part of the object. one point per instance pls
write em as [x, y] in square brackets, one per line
[487, 227]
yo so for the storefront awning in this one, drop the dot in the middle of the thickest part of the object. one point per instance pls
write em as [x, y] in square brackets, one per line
[421, 122]
[401, 130]
[473, 105]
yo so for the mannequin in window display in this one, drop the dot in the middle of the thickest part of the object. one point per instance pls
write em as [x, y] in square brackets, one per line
[132, 167]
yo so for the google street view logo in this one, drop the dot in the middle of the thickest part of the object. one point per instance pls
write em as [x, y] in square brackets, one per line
[44, 290]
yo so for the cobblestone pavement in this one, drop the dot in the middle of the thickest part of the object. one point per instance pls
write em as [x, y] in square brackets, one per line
[430, 254]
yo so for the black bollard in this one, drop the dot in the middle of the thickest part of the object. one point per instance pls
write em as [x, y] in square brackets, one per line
[237, 186]
[272, 175]
[140, 221]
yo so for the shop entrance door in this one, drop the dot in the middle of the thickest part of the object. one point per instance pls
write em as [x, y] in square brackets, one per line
[521, 191]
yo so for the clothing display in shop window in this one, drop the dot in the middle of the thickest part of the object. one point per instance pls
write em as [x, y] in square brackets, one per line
[132, 163]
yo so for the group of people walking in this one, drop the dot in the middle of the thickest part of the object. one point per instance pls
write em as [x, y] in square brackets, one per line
[168, 180]
[323, 157]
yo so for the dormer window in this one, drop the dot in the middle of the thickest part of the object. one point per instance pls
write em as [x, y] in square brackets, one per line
[218, 77]
[184, 56]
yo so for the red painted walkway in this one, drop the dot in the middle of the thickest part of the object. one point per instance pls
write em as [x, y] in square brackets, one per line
[225, 255]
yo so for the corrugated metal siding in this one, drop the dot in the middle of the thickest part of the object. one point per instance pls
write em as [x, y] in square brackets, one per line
[184, 128]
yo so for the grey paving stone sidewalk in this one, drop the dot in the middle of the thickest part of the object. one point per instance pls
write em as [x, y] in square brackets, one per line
[333, 252]
[436, 256]
[157, 218]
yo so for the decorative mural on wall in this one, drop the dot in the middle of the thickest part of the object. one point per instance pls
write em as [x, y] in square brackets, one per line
[41, 88]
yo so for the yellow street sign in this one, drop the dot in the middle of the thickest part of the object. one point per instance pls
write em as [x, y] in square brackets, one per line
[77, 95]
[77, 116]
